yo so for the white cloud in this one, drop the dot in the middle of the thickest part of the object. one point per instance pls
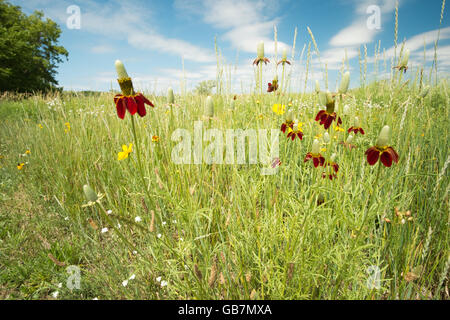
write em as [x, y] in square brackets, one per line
[101, 49]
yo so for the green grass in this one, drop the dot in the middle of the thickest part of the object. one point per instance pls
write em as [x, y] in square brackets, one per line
[264, 237]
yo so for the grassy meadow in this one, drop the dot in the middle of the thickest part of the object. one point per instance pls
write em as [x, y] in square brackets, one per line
[216, 231]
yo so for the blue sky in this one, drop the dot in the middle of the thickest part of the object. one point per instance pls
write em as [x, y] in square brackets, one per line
[151, 37]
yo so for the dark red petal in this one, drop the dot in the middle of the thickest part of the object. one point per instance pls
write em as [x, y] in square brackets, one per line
[283, 127]
[393, 154]
[146, 101]
[328, 122]
[308, 156]
[372, 155]
[300, 135]
[319, 114]
[350, 129]
[120, 107]
[131, 105]
[316, 162]
[386, 158]
[336, 167]
[140, 106]
[361, 130]
[322, 160]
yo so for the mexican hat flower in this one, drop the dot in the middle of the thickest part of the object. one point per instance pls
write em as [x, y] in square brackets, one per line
[128, 99]
[273, 86]
[284, 59]
[381, 150]
[331, 168]
[403, 65]
[260, 54]
[289, 123]
[356, 127]
[326, 117]
[295, 131]
[348, 143]
[315, 154]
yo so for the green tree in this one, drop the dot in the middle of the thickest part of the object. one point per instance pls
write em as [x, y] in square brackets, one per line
[205, 87]
[29, 53]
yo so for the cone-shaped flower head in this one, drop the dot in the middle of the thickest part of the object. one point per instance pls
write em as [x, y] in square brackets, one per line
[345, 81]
[349, 139]
[333, 157]
[170, 96]
[356, 122]
[326, 137]
[289, 115]
[315, 147]
[322, 98]
[90, 193]
[383, 138]
[209, 111]
[346, 110]
[260, 50]
[121, 71]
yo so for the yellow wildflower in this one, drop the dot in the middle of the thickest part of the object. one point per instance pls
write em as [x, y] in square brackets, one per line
[40, 126]
[20, 166]
[155, 139]
[279, 108]
[125, 152]
[67, 129]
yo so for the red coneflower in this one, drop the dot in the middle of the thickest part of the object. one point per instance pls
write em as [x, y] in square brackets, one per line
[381, 150]
[128, 99]
[315, 154]
[260, 54]
[273, 86]
[289, 123]
[334, 168]
[326, 117]
[356, 127]
[295, 131]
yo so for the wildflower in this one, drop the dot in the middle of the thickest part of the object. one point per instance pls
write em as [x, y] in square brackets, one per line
[67, 129]
[28, 152]
[20, 166]
[209, 107]
[128, 100]
[137, 219]
[284, 59]
[260, 54]
[337, 128]
[40, 126]
[55, 294]
[91, 196]
[343, 87]
[356, 127]
[124, 283]
[104, 230]
[348, 143]
[326, 117]
[403, 65]
[109, 211]
[159, 235]
[381, 150]
[155, 138]
[326, 137]
[163, 283]
[125, 152]
[159, 279]
[279, 108]
[315, 154]
[295, 131]
[273, 86]
[346, 110]
[333, 166]
[170, 96]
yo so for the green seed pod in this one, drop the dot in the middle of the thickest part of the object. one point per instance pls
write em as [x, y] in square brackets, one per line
[315, 147]
[356, 123]
[322, 98]
[317, 86]
[326, 137]
[121, 72]
[289, 115]
[383, 138]
[260, 50]
[349, 139]
[405, 58]
[89, 193]
[345, 81]
[209, 112]
[284, 56]
[170, 96]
